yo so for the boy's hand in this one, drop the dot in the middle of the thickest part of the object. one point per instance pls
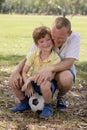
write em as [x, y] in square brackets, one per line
[29, 91]
[25, 86]
[28, 83]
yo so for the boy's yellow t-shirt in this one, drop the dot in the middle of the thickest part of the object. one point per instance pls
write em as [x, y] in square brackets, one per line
[35, 63]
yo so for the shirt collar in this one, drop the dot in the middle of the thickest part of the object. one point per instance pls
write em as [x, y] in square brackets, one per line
[48, 59]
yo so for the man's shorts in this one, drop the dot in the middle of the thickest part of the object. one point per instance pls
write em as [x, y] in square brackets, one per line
[74, 76]
[38, 90]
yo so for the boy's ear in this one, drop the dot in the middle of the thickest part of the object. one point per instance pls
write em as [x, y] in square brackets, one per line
[36, 45]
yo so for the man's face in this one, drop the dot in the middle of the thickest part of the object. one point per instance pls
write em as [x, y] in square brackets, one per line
[59, 36]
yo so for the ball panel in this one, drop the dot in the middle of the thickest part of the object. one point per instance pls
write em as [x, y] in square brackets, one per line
[36, 102]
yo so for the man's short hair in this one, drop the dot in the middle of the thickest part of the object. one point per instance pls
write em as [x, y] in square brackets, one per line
[62, 22]
[40, 32]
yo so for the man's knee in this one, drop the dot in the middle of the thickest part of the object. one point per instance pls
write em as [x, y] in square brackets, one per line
[64, 79]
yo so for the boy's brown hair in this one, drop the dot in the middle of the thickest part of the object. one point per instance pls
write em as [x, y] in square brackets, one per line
[62, 22]
[40, 32]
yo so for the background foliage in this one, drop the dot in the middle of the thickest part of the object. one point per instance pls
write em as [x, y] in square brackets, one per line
[58, 7]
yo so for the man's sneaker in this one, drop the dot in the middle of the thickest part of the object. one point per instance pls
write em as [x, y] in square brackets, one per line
[61, 103]
[46, 112]
[20, 107]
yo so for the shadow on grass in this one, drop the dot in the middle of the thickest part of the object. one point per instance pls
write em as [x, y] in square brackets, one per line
[13, 60]
[70, 119]
[10, 60]
[6, 62]
[81, 73]
[82, 66]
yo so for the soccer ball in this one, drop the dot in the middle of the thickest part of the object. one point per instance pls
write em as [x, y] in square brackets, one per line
[36, 102]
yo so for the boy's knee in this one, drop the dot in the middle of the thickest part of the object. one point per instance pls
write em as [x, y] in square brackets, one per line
[46, 87]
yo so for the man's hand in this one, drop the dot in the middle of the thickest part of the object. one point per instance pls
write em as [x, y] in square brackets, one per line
[44, 75]
[15, 80]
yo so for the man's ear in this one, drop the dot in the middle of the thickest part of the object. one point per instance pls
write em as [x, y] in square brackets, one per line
[69, 33]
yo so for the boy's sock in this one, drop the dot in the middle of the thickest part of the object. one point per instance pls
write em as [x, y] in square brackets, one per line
[25, 100]
[47, 104]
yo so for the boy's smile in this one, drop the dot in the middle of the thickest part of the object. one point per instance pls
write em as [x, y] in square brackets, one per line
[45, 44]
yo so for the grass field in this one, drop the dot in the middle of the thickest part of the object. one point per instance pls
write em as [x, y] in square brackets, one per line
[15, 42]
[16, 38]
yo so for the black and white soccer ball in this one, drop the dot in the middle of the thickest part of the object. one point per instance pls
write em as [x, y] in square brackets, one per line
[36, 102]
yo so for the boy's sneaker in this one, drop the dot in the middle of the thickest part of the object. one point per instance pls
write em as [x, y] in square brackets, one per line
[46, 112]
[61, 103]
[20, 107]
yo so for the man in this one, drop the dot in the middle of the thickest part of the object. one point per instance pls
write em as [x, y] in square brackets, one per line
[67, 45]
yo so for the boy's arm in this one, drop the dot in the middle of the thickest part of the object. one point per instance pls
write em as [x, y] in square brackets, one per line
[24, 73]
[27, 79]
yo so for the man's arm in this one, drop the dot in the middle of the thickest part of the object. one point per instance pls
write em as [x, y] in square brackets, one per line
[49, 72]
[20, 66]
[63, 65]
[15, 80]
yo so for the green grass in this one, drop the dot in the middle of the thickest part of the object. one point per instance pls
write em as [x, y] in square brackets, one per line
[16, 38]
[15, 42]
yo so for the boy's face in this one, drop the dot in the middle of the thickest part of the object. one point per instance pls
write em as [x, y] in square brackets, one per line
[45, 44]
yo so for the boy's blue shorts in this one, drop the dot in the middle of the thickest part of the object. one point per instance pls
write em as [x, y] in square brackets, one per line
[38, 90]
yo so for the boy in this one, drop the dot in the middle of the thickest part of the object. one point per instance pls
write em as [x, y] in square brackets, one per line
[45, 56]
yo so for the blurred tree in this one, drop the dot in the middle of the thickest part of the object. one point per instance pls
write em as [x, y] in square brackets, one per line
[56, 7]
[1, 2]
